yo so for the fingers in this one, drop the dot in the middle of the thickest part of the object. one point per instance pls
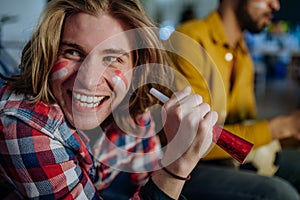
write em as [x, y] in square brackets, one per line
[190, 107]
[189, 103]
[182, 93]
[188, 126]
[212, 116]
[202, 110]
[184, 98]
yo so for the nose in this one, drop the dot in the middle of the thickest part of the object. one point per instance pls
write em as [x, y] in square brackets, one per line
[275, 4]
[91, 73]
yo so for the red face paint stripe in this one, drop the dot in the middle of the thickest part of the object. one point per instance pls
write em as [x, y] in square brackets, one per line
[59, 66]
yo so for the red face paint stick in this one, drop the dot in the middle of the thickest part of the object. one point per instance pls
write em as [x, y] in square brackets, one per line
[237, 147]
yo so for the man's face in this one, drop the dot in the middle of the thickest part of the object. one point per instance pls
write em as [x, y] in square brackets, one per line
[255, 15]
[93, 72]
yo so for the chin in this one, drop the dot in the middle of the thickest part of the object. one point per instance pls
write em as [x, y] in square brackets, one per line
[88, 121]
[86, 124]
[256, 30]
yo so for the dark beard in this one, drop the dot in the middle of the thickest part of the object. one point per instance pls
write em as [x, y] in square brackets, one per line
[253, 28]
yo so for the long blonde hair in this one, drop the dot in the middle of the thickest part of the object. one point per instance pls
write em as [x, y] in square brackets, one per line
[40, 53]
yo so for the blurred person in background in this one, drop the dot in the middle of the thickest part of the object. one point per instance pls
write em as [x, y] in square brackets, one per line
[221, 36]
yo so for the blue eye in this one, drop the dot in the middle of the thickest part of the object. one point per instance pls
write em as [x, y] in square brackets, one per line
[72, 52]
[110, 59]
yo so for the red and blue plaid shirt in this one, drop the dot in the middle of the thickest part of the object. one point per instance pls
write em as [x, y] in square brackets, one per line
[42, 156]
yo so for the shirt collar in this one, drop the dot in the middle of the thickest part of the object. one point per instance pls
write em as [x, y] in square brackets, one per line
[217, 33]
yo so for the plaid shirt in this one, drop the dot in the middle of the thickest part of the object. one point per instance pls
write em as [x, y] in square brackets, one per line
[42, 156]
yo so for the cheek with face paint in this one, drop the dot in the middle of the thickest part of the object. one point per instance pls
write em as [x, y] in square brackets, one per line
[59, 70]
[120, 80]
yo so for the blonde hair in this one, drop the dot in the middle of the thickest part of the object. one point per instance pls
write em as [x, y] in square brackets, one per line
[40, 53]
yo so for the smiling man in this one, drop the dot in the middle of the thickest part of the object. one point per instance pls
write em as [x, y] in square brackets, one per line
[87, 67]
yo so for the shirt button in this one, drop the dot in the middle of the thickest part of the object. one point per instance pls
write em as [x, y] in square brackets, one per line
[223, 113]
[228, 56]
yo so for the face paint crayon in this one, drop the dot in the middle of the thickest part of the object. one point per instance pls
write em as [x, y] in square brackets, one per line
[59, 70]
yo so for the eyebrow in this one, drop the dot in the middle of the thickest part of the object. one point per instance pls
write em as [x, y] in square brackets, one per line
[105, 51]
[73, 45]
[116, 51]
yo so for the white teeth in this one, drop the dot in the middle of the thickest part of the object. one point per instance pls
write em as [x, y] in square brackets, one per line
[87, 101]
[90, 99]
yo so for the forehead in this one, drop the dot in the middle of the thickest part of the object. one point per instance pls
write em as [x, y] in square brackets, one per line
[89, 30]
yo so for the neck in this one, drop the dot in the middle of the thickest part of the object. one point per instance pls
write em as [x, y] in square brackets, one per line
[232, 29]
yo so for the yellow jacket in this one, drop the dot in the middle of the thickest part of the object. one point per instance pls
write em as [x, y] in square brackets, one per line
[235, 103]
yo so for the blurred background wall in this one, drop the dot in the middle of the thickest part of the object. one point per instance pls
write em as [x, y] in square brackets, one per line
[170, 11]
[17, 20]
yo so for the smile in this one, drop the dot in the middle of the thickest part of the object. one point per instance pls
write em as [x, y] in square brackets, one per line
[87, 101]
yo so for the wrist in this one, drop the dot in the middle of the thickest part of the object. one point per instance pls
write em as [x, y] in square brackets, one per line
[168, 184]
[180, 167]
[174, 175]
